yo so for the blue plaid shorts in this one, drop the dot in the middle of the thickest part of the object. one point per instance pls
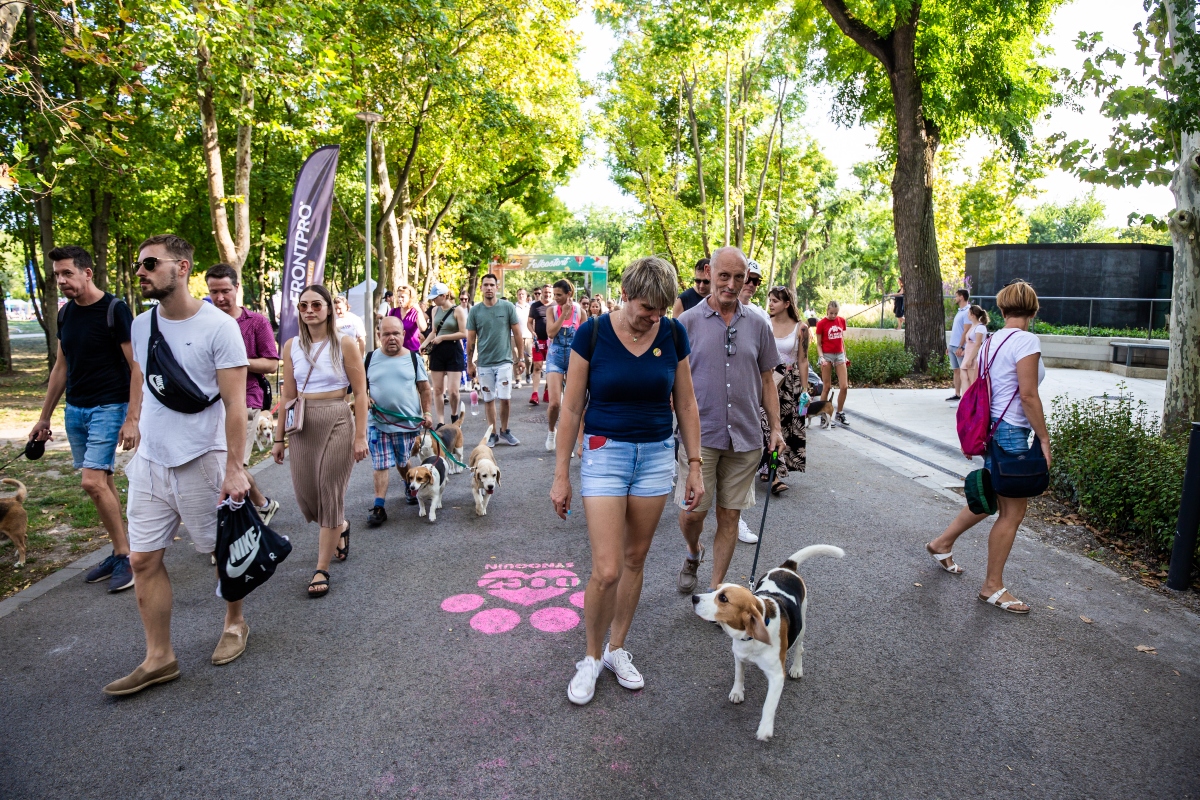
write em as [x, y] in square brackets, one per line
[389, 449]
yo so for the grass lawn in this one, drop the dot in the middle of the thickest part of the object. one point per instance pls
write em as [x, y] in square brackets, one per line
[21, 395]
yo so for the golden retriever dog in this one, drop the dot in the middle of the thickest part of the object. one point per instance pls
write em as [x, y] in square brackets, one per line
[485, 474]
[14, 522]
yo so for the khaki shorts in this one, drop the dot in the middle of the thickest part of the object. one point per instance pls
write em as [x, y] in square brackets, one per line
[728, 477]
[160, 498]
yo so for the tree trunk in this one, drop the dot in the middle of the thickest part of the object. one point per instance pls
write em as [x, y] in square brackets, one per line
[1181, 403]
[689, 88]
[6, 367]
[241, 181]
[99, 225]
[214, 171]
[10, 17]
[43, 204]
[762, 177]
[778, 202]
[912, 182]
[388, 230]
[725, 204]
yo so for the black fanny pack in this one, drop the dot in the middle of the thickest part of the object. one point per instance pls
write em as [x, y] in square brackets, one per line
[167, 380]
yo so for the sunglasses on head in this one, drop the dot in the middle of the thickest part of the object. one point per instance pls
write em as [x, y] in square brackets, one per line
[150, 263]
[315, 305]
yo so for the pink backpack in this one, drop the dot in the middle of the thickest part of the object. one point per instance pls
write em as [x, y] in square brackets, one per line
[974, 414]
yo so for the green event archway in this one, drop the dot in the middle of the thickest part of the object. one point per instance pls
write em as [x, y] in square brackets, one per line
[594, 268]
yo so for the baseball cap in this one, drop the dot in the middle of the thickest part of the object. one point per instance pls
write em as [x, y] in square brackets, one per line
[437, 290]
[752, 268]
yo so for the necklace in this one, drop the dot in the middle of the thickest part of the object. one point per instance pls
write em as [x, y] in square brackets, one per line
[627, 325]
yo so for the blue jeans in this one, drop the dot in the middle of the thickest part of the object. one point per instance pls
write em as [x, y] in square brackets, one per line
[1011, 438]
[619, 469]
[557, 358]
[93, 434]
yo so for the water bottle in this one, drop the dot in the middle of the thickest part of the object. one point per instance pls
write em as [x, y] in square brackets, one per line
[804, 401]
[474, 403]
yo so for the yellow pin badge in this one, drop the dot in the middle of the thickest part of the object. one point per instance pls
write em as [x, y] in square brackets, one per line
[657, 352]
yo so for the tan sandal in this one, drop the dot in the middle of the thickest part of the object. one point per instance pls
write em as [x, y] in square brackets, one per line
[942, 558]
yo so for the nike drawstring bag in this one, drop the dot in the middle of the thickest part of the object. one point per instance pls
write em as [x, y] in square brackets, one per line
[247, 550]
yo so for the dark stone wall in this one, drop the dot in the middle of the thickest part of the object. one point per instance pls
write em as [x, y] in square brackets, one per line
[1079, 270]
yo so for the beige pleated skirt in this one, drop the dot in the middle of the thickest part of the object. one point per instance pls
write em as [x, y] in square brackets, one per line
[322, 458]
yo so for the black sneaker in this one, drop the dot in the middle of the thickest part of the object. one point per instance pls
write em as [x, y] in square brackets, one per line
[841, 418]
[122, 576]
[103, 570]
[376, 517]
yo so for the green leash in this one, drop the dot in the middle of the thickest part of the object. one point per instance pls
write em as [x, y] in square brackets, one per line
[391, 416]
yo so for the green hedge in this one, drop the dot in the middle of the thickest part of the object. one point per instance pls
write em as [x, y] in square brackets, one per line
[1109, 459]
[871, 361]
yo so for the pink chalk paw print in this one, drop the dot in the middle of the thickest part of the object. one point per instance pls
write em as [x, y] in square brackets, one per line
[524, 586]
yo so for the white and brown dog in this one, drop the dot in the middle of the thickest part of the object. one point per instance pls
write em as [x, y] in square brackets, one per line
[14, 522]
[764, 625]
[485, 474]
[452, 435]
[426, 482]
[264, 426]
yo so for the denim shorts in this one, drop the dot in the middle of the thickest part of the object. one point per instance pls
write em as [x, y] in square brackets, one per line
[558, 358]
[93, 432]
[618, 469]
[955, 361]
[1011, 438]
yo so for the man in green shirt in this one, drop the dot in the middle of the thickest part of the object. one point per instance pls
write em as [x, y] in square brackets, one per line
[493, 346]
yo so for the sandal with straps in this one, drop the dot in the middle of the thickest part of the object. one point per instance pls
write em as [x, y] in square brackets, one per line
[344, 552]
[942, 558]
[322, 587]
[994, 600]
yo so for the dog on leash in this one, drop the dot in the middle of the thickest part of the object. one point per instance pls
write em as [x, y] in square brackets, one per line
[451, 434]
[485, 474]
[764, 625]
[820, 408]
[426, 482]
[264, 427]
[14, 522]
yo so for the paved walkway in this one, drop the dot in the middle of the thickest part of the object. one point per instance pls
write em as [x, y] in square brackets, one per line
[420, 676]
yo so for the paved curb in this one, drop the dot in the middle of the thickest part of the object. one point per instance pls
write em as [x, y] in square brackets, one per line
[72, 570]
[928, 441]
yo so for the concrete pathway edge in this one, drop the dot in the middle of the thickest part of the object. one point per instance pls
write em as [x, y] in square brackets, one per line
[69, 571]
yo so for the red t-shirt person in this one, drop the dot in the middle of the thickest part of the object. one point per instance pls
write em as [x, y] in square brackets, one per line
[829, 333]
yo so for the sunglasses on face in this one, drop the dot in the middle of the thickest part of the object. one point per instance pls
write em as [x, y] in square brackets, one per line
[753, 281]
[150, 263]
[315, 305]
[702, 281]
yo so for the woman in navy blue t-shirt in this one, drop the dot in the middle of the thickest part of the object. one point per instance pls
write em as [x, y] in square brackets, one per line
[628, 368]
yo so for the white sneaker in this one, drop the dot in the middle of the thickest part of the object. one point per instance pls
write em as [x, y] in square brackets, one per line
[745, 534]
[550, 441]
[582, 687]
[620, 662]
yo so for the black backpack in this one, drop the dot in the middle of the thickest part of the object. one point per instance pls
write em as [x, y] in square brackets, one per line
[247, 550]
[167, 380]
[264, 383]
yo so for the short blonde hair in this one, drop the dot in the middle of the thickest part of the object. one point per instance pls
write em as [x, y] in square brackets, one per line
[651, 280]
[1018, 299]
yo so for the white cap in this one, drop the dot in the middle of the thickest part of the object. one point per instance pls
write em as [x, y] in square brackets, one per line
[437, 290]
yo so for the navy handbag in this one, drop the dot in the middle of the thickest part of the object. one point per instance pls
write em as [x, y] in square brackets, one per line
[1023, 474]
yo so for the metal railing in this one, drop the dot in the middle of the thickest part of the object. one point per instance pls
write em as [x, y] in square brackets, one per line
[1091, 305]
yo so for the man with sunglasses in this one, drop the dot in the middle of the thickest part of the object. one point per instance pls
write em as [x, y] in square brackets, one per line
[187, 461]
[750, 287]
[733, 358]
[701, 286]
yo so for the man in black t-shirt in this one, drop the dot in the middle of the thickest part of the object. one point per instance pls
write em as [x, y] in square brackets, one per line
[692, 297]
[542, 300]
[94, 363]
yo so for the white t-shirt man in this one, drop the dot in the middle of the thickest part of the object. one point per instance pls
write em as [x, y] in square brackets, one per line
[523, 318]
[959, 327]
[1003, 370]
[208, 341]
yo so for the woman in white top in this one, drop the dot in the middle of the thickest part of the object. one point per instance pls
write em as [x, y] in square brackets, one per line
[318, 365]
[791, 380]
[1014, 368]
[976, 333]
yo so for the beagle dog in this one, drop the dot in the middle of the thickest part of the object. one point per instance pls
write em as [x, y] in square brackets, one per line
[14, 522]
[764, 625]
[822, 409]
[485, 474]
[452, 435]
[426, 482]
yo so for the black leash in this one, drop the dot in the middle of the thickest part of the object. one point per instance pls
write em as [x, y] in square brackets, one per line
[772, 467]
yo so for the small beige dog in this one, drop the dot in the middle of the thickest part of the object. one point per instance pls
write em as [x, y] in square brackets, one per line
[264, 425]
[13, 520]
[485, 474]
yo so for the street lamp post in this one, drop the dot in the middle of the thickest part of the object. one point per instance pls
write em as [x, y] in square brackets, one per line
[369, 117]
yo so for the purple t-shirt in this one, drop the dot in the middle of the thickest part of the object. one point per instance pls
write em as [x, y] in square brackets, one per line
[412, 330]
[260, 343]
